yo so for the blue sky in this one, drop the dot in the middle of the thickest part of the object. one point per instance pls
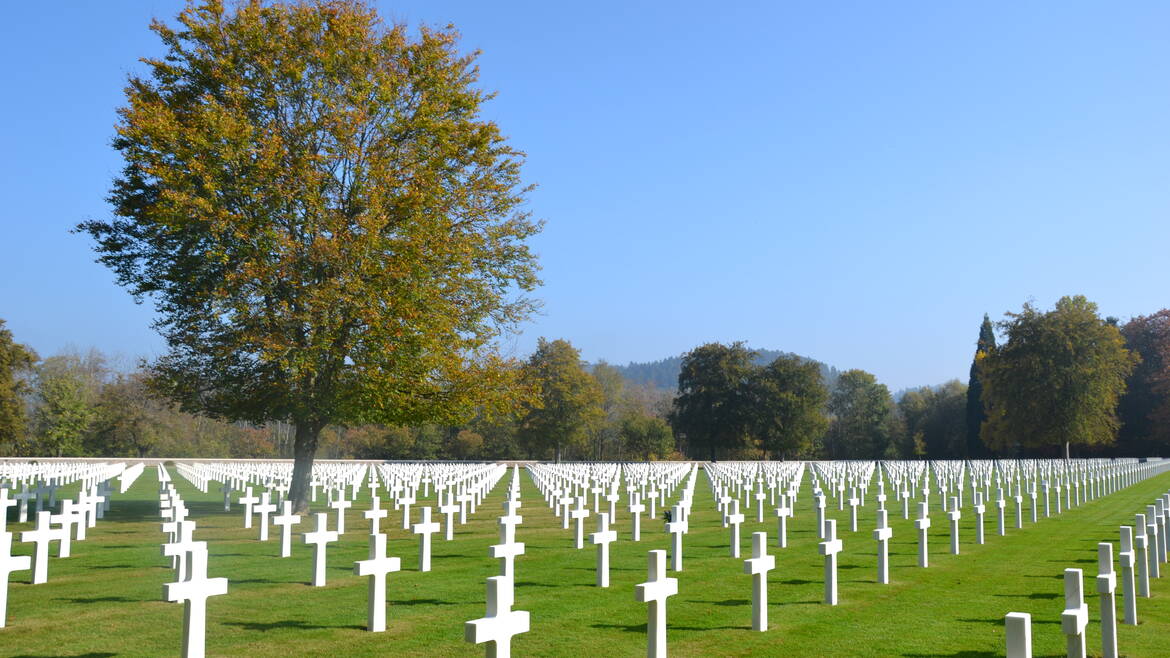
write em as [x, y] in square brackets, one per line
[854, 181]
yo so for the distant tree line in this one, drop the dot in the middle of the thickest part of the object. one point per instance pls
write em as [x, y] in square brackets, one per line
[1062, 380]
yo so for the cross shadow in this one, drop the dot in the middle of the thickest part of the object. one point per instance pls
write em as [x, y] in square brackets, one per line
[423, 602]
[727, 602]
[94, 654]
[98, 599]
[529, 583]
[1032, 595]
[287, 623]
[629, 628]
[956, 655]
[795, 581]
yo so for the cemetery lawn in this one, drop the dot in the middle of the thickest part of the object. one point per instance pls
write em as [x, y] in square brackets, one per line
[106, 600]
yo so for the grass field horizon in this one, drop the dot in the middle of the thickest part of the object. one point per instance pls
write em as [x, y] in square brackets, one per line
[106, 600]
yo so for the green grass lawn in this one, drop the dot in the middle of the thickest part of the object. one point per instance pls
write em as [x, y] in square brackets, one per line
[106, 600]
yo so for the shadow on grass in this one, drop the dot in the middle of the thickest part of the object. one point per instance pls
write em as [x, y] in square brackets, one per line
[999, 621]
[287, 623]
[629, 628]
[529, 583]
[796, 581]
[116, 566]
[98, 599]
[727, 602]
[956, 655]
[1031, 595]
[76, 655]
[424, 602]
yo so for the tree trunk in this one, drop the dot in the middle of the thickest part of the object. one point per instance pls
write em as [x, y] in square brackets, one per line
[304, 449]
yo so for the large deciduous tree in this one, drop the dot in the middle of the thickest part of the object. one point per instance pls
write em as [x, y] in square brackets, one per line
[330, 230]
[787, 406]
[1056, 380]
[15, 361]
[566, 406]
[861, 410]
[975, 413]
[711, 409]
[1145, 407]
[935, 419]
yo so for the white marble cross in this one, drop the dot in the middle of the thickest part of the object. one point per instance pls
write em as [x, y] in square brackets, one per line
[8, 564]
[194, 593]
[376, 568]
[734, 520]
[819, 502]
[341, 504]
[286, 520]
[635, 508]
[565, 505]
[41, 537]
[830, 548]
[980, 510]
[508, 548]
[1128, 592]
[180, 549]
[1141, 548]
[654, 593]
[603, 538]
[1018, 634]
[320, 538]
[449, 511]
[1106, 586]
[677, 527]
[1075, 617]
[1000, 503]
[248, 500]
[264, 509]
[954, 515]
[853, 503]
[501, 623]
[758, 566]
[1153, 532]
[923, 524]
[66, 519]
[375, 514]
[882, 534]
[424, 529]
[579, 514]
[404, 504]
[783, 512]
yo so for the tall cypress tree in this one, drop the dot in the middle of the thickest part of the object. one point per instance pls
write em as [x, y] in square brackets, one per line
[975, 414]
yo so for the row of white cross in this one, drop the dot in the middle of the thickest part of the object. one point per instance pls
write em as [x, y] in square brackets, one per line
[1146, 549]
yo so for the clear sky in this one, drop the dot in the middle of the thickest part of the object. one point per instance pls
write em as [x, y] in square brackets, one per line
[857, 182]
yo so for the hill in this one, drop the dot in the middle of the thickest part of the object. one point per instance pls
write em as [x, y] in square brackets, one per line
[664, 372]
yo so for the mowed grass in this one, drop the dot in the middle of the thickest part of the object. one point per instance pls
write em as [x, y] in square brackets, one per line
[106, 600]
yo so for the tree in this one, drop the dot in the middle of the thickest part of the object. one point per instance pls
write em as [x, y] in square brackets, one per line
[975, 414]
[861, 410]
[644, 435]
[329, 229]
[1056, 380]
[567, 407]
[612, 402]
[936, 417]
[1145, 408]
[711, 409]
[787, 406]
[15, 361]
[125, 419]
[66, 404]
